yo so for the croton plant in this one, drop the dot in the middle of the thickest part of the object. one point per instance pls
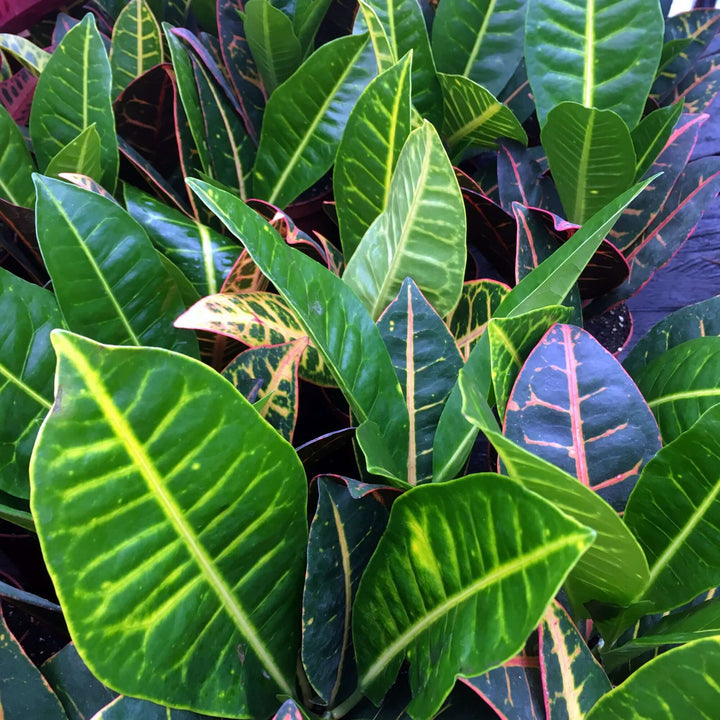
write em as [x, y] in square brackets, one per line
[295, 390]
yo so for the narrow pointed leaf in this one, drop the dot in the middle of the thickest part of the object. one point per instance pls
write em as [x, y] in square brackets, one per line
[116, 292]
[692, 691]
[225, 594]
[343, 536]
[28, 313]
[273, 43]
[427, 362]
[376, 131]
[682, 384]
[579, 42]
[73, 92]
[16, 165]
[136, 45]
[651, 136]
[334, 319]
[438, 573]
[411, 238]
[304, 120]
[591, 156]
[479, 39]
[80, 156]
[474, 116]
[572, 677]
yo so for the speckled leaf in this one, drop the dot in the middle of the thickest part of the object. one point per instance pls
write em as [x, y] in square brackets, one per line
[27, 364]
[512, 339]
[478, 301]
[693, 321]
[116, 293]
[203, 255]
[437, 577]
[420, 234]
[244, 276]
[427, 362]
[680, 683]
[699, 87]
[16, 165]
[256, 319]
[343, 536]
[305, 119]
[24, 692]
[474, 117]
[480, 39]
[575, 406]
[682, 384]
[25, 52]
[136, 45]
[376, 131]
[271, 370]
[170, 438]
[80, 156]
[573, 680]
[72, 93]
[367, 21]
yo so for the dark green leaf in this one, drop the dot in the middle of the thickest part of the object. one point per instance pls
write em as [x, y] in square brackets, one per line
[81, 156]
[16, 165]
[651, 136]
[308, 17]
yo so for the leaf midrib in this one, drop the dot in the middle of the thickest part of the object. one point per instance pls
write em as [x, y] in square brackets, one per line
[589, 68]
[479, 39]
[686, 395]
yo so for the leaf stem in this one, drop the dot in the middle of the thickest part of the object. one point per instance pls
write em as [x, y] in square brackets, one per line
[345, 707]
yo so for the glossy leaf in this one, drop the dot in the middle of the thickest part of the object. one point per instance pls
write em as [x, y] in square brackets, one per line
[206, 582]
[574, 406]
[572, 678]
[478, 301]
[25, 52]
[682, 384]
[304, 119]
[605, 52]
[699, 87]
[368, 21]
[474, 117]
[427, 362]
[376, 131]
[693, 321]
[272, 41]
[591, 156]
[27, 315]
[692, 691]
[309, 16]
[323, 304]
[343, 536]
[80, 156]
[479, 39]
[244, 276]
[410, 238]
[16, 165]
[136, 45]
[271, 371]
[437, 548]
[116, 292]
[652, 134]
[72, 93]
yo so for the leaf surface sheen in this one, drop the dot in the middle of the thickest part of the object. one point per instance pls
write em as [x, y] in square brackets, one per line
[81, 156]
[16, 164]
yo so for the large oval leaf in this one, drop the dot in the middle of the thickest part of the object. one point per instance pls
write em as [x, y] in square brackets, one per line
[420, 234]
[450, 553]
[601, 54]
[143, 472]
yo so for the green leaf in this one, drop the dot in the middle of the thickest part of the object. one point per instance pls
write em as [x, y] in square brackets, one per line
[25, 52]
[16, 511]
[427, 362]
[682, 384]
[305, 118]
[16, 165]
[80, 156]
[117, 292]
[376, 131]
[136, 45]
[601, 54]
[337, 324]
[673, 511]
[480, 39]
[368, 21]
[474, 116]
[273, 43]
[424, 205]
[679, 683]
[309, 15]
[450, 553]
[147, 439]
[203, 255]
[591, 157]
[272, 372]
[652, 134]
[572, 678]
[72, 93]
[27, 315]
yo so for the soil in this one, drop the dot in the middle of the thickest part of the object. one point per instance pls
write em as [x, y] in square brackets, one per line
[611, 329]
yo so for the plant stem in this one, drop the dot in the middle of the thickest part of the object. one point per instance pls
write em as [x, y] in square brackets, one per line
[345, 707]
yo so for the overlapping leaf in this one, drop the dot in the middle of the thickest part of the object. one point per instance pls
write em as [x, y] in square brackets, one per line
[163, 457]
[80, 156]
[652, 134]
[25, 52]
[16, 165]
